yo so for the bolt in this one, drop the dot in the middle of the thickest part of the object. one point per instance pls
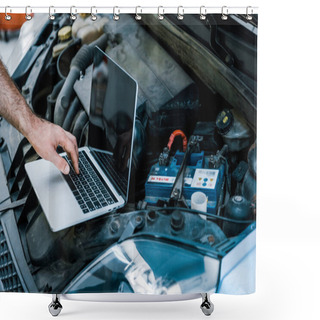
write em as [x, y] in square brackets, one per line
[152, 216]
[228, 59]
[25, 90]
[211, 239]
[238, 199]
[114, 226]
[175, 193]
[211, 161]
[177, 220]
[139, 222]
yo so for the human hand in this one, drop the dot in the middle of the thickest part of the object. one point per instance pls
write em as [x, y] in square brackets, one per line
[45, 137]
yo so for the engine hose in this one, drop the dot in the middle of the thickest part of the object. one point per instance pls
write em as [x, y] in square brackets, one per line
[83, 58]
[56, 90]
[65, 95]
[37, 102]
[101, 42]
[73, 110]
[79, 125]
[84, 134]
[176, 133]
[51, 99]
[79, 63]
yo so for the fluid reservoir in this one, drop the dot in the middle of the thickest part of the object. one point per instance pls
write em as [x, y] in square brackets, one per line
[78, 24]
[238, 208]
[233, 129]
[65, 38]
[88, 30]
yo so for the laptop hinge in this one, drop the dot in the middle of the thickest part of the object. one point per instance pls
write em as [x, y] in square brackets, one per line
[105, 171]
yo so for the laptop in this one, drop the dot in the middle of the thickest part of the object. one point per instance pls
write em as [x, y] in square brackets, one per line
[105, 163]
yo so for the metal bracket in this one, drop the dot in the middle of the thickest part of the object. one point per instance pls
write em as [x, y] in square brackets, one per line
[177, 189]
[133, 224]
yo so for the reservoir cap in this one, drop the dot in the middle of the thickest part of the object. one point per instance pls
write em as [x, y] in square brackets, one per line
[65, 33]
[224, 121]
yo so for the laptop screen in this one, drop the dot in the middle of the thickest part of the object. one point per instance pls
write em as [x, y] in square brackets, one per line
[112, 114]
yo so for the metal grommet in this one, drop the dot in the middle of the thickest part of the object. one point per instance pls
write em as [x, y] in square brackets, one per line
[224, 13]
[249, 12]
[52, 10]
[73, 16]
[93, 15]
[138, 16]
[203, 13]
[7, 16]
[180, 13]
[160, 15]
[28, 15]
[116, 16]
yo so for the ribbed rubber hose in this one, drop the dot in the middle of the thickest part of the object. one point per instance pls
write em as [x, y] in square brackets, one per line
[51, 99]
[80, 62]
[80, 123]
[65, 95]
[73, 110]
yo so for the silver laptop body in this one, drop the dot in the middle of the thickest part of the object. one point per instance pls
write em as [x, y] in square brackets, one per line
[111, 124]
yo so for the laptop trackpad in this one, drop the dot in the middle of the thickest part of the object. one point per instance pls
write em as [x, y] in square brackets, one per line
[52, 191]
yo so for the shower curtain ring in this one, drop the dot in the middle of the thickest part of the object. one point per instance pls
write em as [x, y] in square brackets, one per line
[93, 15]
[28, 13]
[180, 13]
[73, 16]
[138, 16]
[7, 16]
[224, 13]
[160, 15]
[203, 13]
[52, 10]
[116, 13]
[249, 12]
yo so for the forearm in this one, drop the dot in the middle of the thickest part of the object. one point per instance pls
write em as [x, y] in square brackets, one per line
[44, 136]
[13, 107]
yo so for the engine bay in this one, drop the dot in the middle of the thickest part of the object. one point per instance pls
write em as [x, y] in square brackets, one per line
[193, 180]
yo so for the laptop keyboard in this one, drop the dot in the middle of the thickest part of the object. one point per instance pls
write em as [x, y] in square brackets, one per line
[88, 187]
[108, 162]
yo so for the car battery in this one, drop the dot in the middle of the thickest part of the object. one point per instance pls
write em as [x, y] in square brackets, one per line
[198, 177]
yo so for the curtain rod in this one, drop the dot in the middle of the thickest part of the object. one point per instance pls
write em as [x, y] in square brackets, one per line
[131, 10]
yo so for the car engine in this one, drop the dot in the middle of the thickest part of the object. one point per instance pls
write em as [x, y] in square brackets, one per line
[195, 135]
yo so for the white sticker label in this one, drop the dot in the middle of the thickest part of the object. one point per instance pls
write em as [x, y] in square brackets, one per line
[165, 179]
[161, 179]
[205, 178]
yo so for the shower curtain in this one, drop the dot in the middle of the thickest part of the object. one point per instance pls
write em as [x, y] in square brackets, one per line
[187, 224]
